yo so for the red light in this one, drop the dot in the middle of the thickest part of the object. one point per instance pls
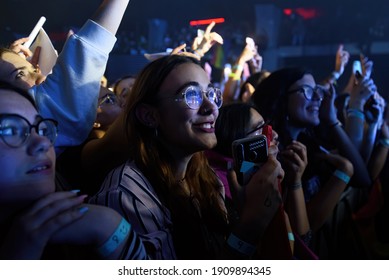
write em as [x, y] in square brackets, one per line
[288, 12]
[206, 21]
[307, 13]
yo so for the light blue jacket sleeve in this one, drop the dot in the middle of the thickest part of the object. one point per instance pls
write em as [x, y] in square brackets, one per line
[69, 95]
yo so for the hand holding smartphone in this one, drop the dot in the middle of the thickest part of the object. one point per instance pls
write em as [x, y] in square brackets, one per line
[250, 42]
[249, 154]
[35, 32]
[357, 68]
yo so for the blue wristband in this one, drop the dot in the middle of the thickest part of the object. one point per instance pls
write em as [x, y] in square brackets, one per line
[290, 236]
[111, 244]
[356, 113]
[241, 246]
[342, 176]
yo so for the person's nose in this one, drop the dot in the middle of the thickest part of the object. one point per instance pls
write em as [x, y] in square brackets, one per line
[208, 106]
[37, 143]
[317, 95]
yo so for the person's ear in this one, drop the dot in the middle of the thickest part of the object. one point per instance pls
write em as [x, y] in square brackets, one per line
[147, 115]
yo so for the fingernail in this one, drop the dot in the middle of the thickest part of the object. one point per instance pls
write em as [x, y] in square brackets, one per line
[82, 197]
[83, 209]
[75, 191]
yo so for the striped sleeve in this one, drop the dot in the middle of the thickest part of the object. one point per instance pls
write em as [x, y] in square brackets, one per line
[127, 191]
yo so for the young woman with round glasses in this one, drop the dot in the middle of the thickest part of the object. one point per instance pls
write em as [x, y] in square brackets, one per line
[298, 109]
[167, 190]
[36, 221]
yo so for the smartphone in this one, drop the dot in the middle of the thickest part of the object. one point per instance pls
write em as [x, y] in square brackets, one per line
[35, 32]
[249, 154]
[357, 67]
[250, 42]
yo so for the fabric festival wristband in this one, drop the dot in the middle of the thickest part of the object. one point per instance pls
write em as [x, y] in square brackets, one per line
[336, 75]
[234, 76]
[111, 244]
[290, 236]
[295, 186]
[356, 113]
[238, 67]
[240, 245]
[342, 176]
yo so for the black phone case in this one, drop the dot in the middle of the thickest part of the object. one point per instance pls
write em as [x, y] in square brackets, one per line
[246, 151]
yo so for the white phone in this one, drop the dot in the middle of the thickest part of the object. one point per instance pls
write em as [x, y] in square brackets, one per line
[357, 67]
[35, 32]
[250, 42]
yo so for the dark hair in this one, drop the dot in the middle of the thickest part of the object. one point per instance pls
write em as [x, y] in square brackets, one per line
[271, 95]
[232, 123]
[151, 156]
[254, 80]
[22, 92]
[117, 82]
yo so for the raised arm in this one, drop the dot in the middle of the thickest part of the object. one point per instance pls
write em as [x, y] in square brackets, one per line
[110, 13]
[342, 141]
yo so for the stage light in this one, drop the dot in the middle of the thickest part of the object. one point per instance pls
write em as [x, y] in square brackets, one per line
[206, 21]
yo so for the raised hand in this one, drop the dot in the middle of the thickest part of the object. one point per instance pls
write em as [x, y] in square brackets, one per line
[341, 59]
[328, 115]
[374, 109]
[339, 162]
[202, 44]
[259, 200]
[180, 50]
[31, 231]
[367, 66]
[294, 161]
[361, 91]
[18, 47]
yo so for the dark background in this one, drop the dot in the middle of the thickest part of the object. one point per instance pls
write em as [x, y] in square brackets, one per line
[357, 23]
[21, 15]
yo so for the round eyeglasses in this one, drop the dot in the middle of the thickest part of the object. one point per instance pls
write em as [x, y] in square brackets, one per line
[309, 92]
[193, 96]
[258, 129]
[109, 98]
[15, 129]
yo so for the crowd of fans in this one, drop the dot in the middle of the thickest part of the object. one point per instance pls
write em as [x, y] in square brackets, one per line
[155, 165]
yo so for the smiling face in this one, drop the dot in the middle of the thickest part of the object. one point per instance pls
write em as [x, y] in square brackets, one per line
[19, 72]
[301, 111]
[184, 129]
[27, 172]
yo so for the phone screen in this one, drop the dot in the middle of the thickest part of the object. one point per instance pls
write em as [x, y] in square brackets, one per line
[357, 67]
[250, 42]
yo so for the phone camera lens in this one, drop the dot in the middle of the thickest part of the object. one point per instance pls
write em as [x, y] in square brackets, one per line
[253, 155]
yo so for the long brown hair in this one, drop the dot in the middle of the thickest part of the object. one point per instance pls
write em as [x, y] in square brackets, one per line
[152, 157]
